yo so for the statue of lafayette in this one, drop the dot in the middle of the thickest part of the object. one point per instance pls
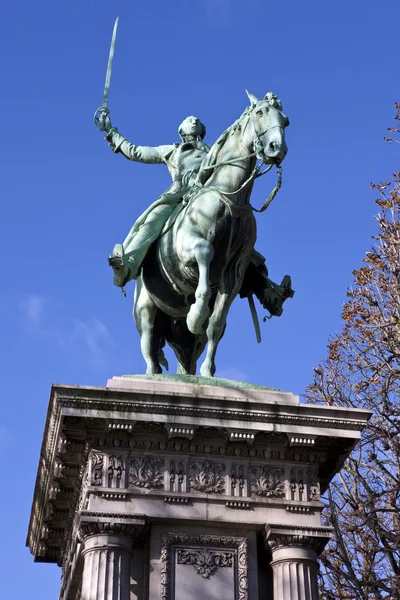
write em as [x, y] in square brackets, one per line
[183, 161]
[192, 251]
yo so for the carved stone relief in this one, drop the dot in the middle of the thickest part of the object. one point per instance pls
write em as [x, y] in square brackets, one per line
[146, 472]
[96, 468]
[115, 472]
[206, 553]
[238, 480]
[205, 561]
[313, 485]
[177, 476]
[267, 482]
[206, 477]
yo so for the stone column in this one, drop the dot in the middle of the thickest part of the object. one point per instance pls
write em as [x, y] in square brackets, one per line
[107, 555]
[294, 560]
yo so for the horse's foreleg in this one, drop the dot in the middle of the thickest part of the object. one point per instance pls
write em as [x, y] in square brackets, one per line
[217, 323]
[145, 313]
[202, 252]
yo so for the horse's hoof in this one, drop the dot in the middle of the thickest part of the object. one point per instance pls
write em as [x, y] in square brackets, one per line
[205, 372]
[195, 322]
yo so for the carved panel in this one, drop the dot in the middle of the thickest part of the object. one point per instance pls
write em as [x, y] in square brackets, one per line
[205, 562]
[146, 472]
[267, 482]
[192, 549]
[301, 486]
[96, 468]
[206, 477]
[115, 472]
[238, 481]
[177, 476]
[313, 485]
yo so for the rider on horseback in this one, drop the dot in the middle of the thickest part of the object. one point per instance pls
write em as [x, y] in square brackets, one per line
[184, 162]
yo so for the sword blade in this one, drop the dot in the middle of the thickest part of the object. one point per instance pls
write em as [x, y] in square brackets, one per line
[109, 66]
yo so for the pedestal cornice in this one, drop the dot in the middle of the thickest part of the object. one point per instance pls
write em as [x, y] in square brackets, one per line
[95, 438]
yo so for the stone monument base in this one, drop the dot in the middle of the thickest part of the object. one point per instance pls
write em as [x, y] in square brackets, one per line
[169, 488]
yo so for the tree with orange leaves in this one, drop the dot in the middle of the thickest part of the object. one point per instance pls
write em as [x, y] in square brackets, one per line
[363, 370]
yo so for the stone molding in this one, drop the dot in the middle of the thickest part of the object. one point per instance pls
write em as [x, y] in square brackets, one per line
[180, 432]
[289, 536]
[306, 455]
[145, 407]
[195, 546]
[93, 523]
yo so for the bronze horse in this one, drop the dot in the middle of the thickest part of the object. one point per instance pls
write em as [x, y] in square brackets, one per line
[193, 272]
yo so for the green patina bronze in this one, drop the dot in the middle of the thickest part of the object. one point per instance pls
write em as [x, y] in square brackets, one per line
[215, 381]
[192, 251]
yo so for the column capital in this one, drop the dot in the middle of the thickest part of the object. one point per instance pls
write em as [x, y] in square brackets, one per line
[296, 536]
[111, 524]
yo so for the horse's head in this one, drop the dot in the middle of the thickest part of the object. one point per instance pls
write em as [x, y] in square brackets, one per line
[267, 125]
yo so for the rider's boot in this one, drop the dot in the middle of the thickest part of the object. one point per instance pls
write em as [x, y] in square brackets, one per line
[270, 294]
[116, 261]
[273, 295]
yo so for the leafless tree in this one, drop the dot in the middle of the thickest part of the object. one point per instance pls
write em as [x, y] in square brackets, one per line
[363, 370]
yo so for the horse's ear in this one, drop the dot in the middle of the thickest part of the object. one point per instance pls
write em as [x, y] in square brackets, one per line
[253, 99]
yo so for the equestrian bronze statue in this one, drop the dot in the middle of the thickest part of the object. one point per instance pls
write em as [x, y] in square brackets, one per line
[192, 251]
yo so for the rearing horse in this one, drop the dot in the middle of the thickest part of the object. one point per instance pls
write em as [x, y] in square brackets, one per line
[193, 272]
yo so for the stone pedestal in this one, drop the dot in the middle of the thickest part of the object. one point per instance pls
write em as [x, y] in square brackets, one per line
[167, 489]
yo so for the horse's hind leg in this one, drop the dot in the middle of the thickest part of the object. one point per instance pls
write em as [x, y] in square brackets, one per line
[145, 313]
[187, 347]
[216, 326]
[202, 253]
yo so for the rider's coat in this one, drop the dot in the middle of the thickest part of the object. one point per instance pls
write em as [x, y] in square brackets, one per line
[183, 161]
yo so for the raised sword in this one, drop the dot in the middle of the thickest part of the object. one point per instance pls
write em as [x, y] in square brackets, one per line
[103, 109]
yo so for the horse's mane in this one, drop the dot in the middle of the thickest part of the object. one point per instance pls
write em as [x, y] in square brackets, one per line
[212, 155]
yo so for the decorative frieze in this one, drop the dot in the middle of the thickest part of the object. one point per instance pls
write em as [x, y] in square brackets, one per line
[267, 482]
[191, 447]
[54, 491]
[118, 426]
[305, 440]
[206, 476]
[313, 485]
[114, 496]
[239, 504]
[242, 436]
[182, 432]
[115, 472]
[238, 480]
[176, 499]
[146, 472]
[295, 508]
[177, 476]
[96, 468]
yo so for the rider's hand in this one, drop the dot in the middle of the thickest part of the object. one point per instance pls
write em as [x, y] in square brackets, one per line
[104, 122]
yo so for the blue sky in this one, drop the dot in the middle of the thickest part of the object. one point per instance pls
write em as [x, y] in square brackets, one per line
[66, 199]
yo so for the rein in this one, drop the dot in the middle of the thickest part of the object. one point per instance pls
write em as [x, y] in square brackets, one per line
[255, 174]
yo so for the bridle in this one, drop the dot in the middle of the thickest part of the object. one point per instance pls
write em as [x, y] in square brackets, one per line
[258, 152]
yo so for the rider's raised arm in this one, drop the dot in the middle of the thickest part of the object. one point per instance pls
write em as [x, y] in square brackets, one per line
[144, 154]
